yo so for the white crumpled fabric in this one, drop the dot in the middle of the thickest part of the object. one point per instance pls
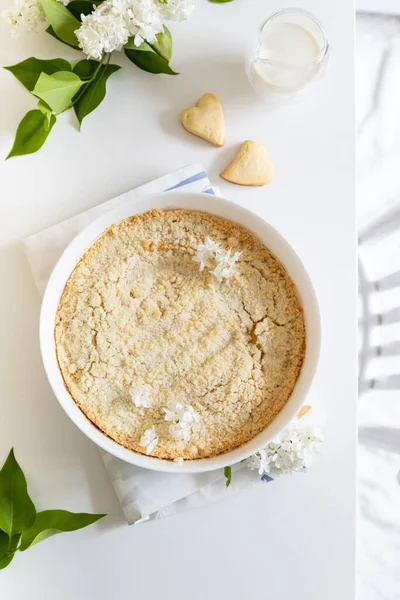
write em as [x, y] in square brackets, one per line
[378, 120]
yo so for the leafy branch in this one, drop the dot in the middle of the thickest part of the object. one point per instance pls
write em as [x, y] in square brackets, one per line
[20, 525]
[59, 86]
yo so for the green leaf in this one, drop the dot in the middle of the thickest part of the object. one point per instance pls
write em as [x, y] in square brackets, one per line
[51, 522]
[147, 59]
[51, 31]
[85, 68]
[17, 511]
[95, 91]
[3, 544]
[9, 548]
[31, 134]
[46, 110]
[163, 45]
[28, 71]
[62, 21]
[220, 1]
[80, 7]
[228, 476]
[57, 90]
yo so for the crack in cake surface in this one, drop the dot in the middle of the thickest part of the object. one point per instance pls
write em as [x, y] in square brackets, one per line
[137, 311]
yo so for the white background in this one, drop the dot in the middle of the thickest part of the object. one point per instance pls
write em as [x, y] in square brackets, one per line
[292, 538]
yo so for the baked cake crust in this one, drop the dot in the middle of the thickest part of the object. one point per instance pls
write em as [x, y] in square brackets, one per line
[137, 311]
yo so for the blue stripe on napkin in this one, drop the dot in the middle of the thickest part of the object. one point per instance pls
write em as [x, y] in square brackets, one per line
[191, 179]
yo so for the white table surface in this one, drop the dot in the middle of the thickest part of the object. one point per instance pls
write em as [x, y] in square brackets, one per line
[294, 538]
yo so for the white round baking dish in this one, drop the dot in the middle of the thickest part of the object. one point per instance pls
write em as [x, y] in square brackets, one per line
[222, 208]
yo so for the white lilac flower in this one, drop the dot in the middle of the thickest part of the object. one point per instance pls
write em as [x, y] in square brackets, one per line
[259, 462]
[149, 439]
[103, 30]
[181, 434]
[210, 254]
[177, 411]
[175, 10]
[113, 22]
[182, 417]
[225, 264]
[173, 411]
[144, 20]
[24, 15]
[189, 416]
[140, 396]
[206, 253]
[291, 451]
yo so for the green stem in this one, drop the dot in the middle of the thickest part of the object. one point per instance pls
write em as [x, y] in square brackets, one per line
[9, 545]
[82, 90]
[99, 66]
[92, 78]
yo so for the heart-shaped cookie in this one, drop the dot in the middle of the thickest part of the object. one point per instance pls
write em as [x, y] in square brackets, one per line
[250, 166]
[206, 119]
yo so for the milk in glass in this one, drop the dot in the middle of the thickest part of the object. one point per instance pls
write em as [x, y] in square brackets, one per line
[290, 52]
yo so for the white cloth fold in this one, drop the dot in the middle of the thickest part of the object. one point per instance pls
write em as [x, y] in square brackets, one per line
[143, 494]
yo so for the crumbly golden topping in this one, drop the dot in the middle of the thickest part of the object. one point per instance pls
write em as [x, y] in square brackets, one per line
[138, 313]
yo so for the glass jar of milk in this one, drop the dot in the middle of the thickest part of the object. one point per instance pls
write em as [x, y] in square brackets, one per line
[290, 52]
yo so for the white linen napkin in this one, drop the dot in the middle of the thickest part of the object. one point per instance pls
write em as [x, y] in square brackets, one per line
[143, 494]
